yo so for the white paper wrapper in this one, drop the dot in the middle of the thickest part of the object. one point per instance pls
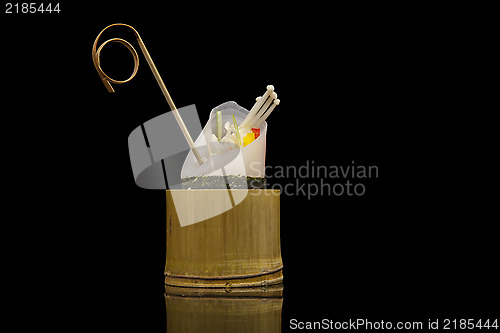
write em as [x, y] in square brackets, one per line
[223, 159]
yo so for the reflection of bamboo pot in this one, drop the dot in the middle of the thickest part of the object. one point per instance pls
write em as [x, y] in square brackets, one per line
[239, 248]
[223, 314]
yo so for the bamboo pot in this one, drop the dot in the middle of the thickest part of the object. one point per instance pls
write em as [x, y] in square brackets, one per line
[239, 248]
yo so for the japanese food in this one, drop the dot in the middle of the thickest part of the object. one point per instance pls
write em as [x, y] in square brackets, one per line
[232, 145]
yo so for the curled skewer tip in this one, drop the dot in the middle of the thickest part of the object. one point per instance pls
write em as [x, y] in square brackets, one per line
[270, 87]
[107, 80]
[276, 101]
[274, 95]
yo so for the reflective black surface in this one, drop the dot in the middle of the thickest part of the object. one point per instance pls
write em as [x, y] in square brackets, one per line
[185, 314]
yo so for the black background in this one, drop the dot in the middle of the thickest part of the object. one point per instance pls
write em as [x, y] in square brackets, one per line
[391, 87]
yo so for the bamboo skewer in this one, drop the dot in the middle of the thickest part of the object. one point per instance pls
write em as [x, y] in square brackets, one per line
[107, 80]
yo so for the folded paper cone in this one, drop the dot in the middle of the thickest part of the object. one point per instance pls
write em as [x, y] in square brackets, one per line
[224, 158]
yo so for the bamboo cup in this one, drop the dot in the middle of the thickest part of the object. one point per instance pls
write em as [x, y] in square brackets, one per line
[239, 248]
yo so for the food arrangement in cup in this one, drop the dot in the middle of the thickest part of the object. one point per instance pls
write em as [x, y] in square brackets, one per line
[232, 146]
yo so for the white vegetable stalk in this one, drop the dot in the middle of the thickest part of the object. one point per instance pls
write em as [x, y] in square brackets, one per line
[266, 114]
[219, 125]
[257, 106]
